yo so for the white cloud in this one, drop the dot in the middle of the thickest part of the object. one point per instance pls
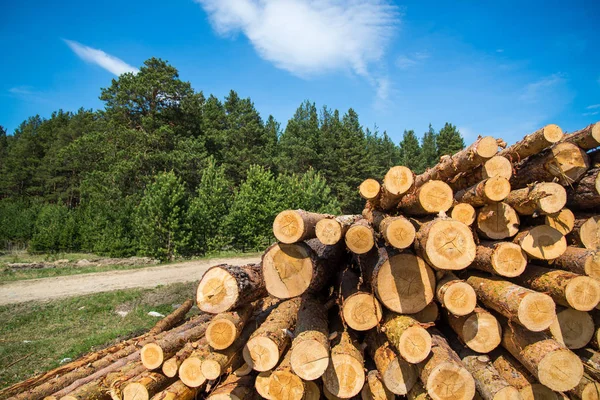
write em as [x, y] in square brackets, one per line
[588, 114]
[110, 63]
[22, 90]
[593, 106]
[538, 90]
[408, 61]
[311, 37]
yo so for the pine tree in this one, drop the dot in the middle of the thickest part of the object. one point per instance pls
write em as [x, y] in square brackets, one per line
[298, 145]
[410, 152]
[429, 149]
[308, 192]
[449, 140]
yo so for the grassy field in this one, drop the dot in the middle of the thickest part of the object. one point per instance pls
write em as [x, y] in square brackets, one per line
[9, 275]
[43, 334]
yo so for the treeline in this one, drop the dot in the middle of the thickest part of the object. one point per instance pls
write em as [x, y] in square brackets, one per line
[163, 170]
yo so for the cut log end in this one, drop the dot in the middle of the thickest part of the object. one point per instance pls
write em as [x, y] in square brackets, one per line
[374, 388]
[221, 333]
[591, 390]
[573, 328]
[450, 381]
[399, 377]
[589, 233]
[217, 291]
[450, 245]
[560, 370]
[583, 293]
[287, 270]
[169, 368]
[398, 180]
[592, 265]
[415, 344]
[261, 384]
[135, 391]
[543, 242]
[361, 311]
[261, 353]
[487, 147]
[369, 189]
[536, 312]
[569, 163]
[399, 233]
[328, 231]
[345, 376]
[464, 213]
[211, 369]
[288, 226]
[508, 259]
[497, 188]
[436, 196]
[497, 221]
[284, 385]
[552, 133]
[482, 332]
[563, 221]
[152, 356]
[359, 239]
[497, 166]
[309, 359]
[507, 393]
[190, 372]
[552, 197]
[460, 298]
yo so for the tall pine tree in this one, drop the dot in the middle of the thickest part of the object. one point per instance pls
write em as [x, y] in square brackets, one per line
[410, 152]
[429, 149]
[449, 140]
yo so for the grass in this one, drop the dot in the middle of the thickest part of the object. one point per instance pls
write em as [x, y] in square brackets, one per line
[67, 328]
[10, 275]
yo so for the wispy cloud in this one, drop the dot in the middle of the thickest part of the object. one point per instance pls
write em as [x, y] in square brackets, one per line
[28, 93]
[593, 107]
[110, 63]
[589, 114]
[407, 61]
[21, 90]
[310, 37]
[536, 91]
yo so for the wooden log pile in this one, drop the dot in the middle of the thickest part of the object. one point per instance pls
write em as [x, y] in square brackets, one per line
[471, 279]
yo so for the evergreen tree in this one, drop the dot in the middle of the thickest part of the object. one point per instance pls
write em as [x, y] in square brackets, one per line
[308, 192]
[449, 140]
[55, 230]
[160, 218]
[298, 145]
[429, 149]
[410, 152]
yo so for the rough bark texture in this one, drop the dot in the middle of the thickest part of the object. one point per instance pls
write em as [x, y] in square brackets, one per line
[446, 244]
[177, 391]
[587, 389]
[360, 237]
[488, 191]
[408, 337]
[500, 258]
[344, 376]
[587, 138]
[533, 143]
[497, 221]
[454, 294]
[374, 388]
[543, 198]
[495, 166]
[480, 330]
[585, 194]
[234, 387]
[514, 373]
[591, 362]
[172, 319]
[291, 226]
[332, 229]
[429, 198]
[577, 260]
[361, 310]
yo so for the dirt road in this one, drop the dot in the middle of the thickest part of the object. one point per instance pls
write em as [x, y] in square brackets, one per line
[76, 285]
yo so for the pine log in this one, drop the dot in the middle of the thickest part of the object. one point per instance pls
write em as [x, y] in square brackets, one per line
[464, 213]
[585, 194]
[587, 138]
[587, 389]
[146, 385]
[360, 237]
[225, 287]
[312, 391]
[465, 160]
[549, 361]
[309, 355]
[172, 319]
[374, 388]
[190, 370]
[397, 374]
[480, 330]
[535, 311]
[533, 143]
[446, 244]
[586, 232]
[284, 384]
[332, 229]
[591, 362]
[243, 370]
[266, 345]
[572, 328]
[344, 376]
[291, 226]
[171, 366]
[444, 375]
[456, 295]
[217, 363]
[497, 221]
[397, 232]
[226, 327]
[402, 282]
[541, 242]
[564, 162]
[488, 191]
[577, 260]
[496, 166]
[500, 258]
[542, 198]
[563, 221]
[369, 189]
[418, 392]
[566, 288]
[261, 384]
[396, 183]
[234, 388]
[177, 391]
[408, 337]
[429, 198]
[289, 270]
[429, 314]
[361, 310]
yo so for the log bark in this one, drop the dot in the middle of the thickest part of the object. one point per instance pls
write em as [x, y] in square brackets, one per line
[146, 385]
[535, 311]
[566, 288]
[497, 221]
[577, 260]
[398, 375]
[591, 362]
[549, 361]
[444, 375]
[234, 387]
[397, 182]
[572, 328]
[344, 376]
[587, 389]
[402, 282]
[266, 345]
[465, 160]
[496, 166]
[533, 143]
[408, 337]
[312, 391]
[332, 229]
[284, 384]
[456, 295]
[418, 392]
[446, 244]
[587, 138]
[177, 391]
[217, 363]
[226, 327]
[361, 310]
[369, 189]
[172, 319]
[541, 242]
[585, 194]
[309, 355]
[464, 213]
[563, 162]
[225, 287]
[360, 237]
[488, 191]
[540, 198]
[586, 232]
[500, 258]
[292, 226]
[397, 232]
[480, 330]
[289, 270]
[429, 198]
[374, 388]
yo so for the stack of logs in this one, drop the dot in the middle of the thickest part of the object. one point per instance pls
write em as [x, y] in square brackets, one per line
[479, 277]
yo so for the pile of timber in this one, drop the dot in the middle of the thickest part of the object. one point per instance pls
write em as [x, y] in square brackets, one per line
[479, 277]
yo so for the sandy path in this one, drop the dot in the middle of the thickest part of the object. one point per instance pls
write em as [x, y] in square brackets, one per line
[76, 285]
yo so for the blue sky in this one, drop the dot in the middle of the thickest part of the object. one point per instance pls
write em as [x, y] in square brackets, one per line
[493, 68]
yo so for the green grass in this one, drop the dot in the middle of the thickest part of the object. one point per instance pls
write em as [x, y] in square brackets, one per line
[68, 328]
[9, 275]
